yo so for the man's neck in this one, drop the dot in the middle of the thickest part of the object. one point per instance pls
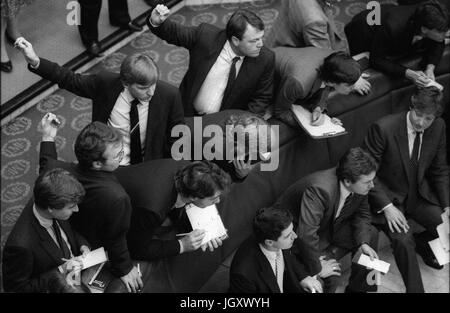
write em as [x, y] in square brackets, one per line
[43, 213]
[235, 50]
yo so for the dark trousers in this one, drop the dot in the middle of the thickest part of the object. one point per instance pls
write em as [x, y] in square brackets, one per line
[404, 244]
[90, 12]
[342, 244]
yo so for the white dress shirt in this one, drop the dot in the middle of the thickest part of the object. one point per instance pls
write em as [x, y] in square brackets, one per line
[120, 119]
[210, 95]
[412, 136]
[48, 225]
[271, 257]
[344, 193]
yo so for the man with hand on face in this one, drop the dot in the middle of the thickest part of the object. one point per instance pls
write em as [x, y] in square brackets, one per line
[105, 212]
[334, 218]
[42, 243]
[413, 180]
[135, 101]
[228, 68]
[264, 263]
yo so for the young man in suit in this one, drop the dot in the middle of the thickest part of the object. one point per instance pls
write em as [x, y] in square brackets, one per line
[105, 212]
[339, 73]
[90, 12]
[413, 180]
[420, 28]
[42, 243]
[333, 216]
[264, 263]
[303, 23]
[135, 101]
[159, 207]
[228, 68]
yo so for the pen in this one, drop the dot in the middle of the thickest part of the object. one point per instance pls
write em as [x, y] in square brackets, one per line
[139, 269]
[183, 234]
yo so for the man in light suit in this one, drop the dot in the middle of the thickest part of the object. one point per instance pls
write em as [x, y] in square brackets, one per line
[413, 180]
[264, 263]
[228, 68]
[333, 216]
[142, 107]
[303, 23]
[42, 237]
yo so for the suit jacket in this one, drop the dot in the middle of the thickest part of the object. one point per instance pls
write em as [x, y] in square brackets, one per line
[105, 212]
[31, 255]
[313, 201]
[152, 203]
[253, 87]
[251, 272]
[164, 112]
[387, 141]
[303, 23]
[390, 40]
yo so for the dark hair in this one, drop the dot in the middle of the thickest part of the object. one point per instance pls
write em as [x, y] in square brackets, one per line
[237, 24]
[139, 68]
[91, 143]
[270, 222]
[427, 100]
[57, 188]
[56, 283]
[338, 68]
[354, 163]
[433, 15]
[201, 179]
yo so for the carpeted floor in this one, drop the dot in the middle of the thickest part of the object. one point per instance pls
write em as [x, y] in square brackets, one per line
[20, 139]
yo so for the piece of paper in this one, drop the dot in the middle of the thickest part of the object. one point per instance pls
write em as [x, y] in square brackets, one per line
[443, 236]
[94, 257]
[376, 264]
[442, 256]
[207, 219]
[446, 221]
[327, 129]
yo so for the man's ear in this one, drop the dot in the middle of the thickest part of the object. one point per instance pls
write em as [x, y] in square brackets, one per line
[423, 30]
[97, 165]
[346, 182]
[235, 41]
[268, 242]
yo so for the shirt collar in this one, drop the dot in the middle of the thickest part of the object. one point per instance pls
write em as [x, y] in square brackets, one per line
[344, 191]
[129, 98]
[271, 255]
[45, 222]
[230, 52]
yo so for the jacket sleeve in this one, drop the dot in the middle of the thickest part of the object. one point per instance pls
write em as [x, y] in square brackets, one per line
[262, 96]
[18, 269]
[361, 223]
[311, 214]
[176, 34]
[80, 84]
[316, 34]
[433, 53]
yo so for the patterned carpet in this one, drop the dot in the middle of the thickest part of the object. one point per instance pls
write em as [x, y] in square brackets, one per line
[20, 139]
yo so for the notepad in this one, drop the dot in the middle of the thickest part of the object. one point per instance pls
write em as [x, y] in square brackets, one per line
[376, 264]
[327, 129]
[207, 219]
[94, 257]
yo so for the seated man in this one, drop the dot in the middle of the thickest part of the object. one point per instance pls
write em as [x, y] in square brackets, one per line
[338, 73]
[303, 23]
[334, 218]
[159, 207]
[105, 212]
[42, 243]
[264, 263]
[417, 28]
[142, 107]
[413, 180]
[228, 68]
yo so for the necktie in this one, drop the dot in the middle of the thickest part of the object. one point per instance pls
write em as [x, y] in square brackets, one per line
[62, 244]
[347, 202]
[231, 79]
[413, 167]
[279, 270]
[135, 134]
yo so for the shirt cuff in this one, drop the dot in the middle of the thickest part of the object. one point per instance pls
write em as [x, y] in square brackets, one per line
[150, 22]
[37, 65]
[387, 206]
[181, 246]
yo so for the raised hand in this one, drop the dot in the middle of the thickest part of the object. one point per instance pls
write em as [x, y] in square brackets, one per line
[49, 124]
[27, 50]
[159, 14]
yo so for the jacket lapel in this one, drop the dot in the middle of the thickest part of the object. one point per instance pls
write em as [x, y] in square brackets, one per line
[267, 273]
[152, 123]
[116, 89]
[427, 139]
[47, 242]
[70, 237]
[401, 137]
[242, 77]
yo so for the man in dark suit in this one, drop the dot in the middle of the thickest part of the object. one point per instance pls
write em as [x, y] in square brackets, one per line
[417, 28]
[228, 69]
[159, 206]
[136, 102]
[105, 212]
[90, 12]
[333, 216]
[42, 243]
[264, 263]
[413, 180]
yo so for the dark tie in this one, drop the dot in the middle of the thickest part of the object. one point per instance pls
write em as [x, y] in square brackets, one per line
[135, 134]
[347, 203]
[411, 200]
[61, 242]
[231, 79]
